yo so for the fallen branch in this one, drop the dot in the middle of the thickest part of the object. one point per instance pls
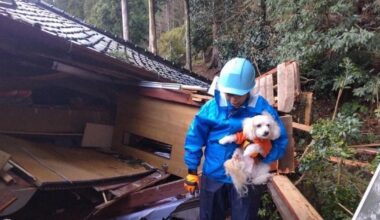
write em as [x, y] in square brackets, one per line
[345, 209]
[365, 145]
[351, 163]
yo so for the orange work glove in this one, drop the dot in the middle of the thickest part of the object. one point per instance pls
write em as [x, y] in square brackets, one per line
[191, 183]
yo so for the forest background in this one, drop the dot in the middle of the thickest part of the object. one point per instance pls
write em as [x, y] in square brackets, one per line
[336, 43]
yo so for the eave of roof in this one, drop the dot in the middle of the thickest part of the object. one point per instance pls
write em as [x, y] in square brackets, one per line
[102, 47]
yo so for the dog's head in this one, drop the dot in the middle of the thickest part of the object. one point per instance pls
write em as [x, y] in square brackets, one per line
[261, 126]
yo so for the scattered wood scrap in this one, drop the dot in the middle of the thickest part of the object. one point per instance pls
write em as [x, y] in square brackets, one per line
[124, 191]
[302, 127]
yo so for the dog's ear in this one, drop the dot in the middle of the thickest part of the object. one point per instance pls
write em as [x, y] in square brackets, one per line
[249, 129]
[275, 129]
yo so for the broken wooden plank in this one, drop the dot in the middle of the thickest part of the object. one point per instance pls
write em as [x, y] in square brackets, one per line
[139, 184]
[4, 157]
[6, 177]
[6, 199]
[126, 190]
[290, 202]
[302, 127]
[141, 198]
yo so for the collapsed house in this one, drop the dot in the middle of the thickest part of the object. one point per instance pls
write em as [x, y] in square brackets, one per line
[93, 127]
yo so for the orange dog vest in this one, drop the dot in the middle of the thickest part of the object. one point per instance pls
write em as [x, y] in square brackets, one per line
[266, 145]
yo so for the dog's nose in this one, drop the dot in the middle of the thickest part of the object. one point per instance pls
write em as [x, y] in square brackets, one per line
[266, 133]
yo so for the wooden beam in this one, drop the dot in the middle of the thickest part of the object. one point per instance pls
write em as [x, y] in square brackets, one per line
[139, 184]
[48, 120]
[302, 127]
[289, 201]
[10, 83]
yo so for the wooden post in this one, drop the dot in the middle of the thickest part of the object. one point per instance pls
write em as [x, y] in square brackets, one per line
[286, 163]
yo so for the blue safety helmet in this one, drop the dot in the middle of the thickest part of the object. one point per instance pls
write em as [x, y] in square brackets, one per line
[237, 77]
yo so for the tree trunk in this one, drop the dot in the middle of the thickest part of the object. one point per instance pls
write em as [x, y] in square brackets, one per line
[124, 16]
[187, 33]
[217, 16]
[168, 15]
[152, 28]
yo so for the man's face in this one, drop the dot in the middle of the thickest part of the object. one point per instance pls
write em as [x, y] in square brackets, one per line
[236, 100]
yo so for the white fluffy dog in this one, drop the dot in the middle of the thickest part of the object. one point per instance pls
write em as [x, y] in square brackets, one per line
[245, 167]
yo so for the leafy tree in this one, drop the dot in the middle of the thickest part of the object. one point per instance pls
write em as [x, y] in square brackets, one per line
[320, 33]
[171, 45]
[241, 26]
[106, 14]
[337, 188]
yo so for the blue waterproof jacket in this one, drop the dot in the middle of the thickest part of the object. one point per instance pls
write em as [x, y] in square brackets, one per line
[218, 118]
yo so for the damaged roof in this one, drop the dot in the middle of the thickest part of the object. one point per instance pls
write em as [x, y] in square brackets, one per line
[58, 23]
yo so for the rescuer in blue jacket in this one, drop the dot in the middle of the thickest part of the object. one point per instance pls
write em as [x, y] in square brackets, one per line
[221, 116]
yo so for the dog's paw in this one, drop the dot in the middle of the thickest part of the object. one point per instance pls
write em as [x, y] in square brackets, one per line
[227, 139]
[252, 149]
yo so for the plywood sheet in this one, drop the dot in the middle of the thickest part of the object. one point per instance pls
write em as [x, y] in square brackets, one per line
[97, 135]
[57, 165]
[155, 119]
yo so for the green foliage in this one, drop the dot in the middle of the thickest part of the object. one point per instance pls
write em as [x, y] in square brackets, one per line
[171, 44]
[336, 186]
[351, 74]
[349, 108]
[268, 209]
[370, 90]
[375, 162]
[106, 14]
[241, 29]
[320, 33]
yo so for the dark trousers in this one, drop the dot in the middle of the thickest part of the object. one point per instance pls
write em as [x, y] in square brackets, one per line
[218, 199]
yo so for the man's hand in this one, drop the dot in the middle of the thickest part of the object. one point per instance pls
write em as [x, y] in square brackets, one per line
[191, 183]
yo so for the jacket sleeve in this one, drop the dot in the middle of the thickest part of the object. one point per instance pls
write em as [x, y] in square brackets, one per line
[196, 137]
[279, 145]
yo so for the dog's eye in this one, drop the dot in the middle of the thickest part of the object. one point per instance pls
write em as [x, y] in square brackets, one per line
[259, 125]
[268, 125]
